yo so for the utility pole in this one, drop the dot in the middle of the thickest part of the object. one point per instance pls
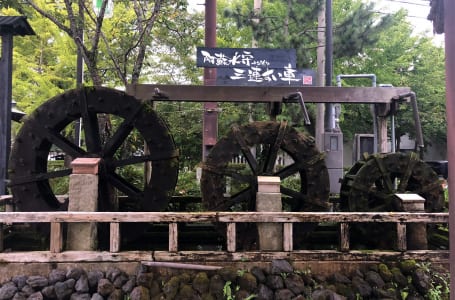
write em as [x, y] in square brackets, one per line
[319, 130]
[210, 118]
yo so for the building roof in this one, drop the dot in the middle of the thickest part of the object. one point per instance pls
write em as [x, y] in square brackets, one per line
[15, 25]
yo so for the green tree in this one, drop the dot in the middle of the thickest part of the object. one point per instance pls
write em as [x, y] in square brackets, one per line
[43, 65]
[401, 59]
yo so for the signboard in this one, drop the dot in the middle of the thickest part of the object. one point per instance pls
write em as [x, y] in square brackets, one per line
[256, 76]
[245, 57]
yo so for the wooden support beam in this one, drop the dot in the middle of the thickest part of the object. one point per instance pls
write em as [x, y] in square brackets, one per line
[200, 93]
[115, 238]
[401, 237]
[56, 240]
[288, 244]
[173, 237]
[231, 237]
[344, 237]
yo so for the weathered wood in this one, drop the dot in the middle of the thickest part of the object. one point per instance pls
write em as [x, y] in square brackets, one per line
[344, 237]
[106, 217]
[226, 217]
[288, 237]
[401, 237]
[264, 93]
[231, 237]
[115, 238]
[221, 256]
[173, 237]
[56, 240]
[346, 217]
[302, 255]
[161, 264]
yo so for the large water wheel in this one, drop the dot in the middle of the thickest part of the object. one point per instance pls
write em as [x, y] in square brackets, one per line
[112, 122]
[266, 149]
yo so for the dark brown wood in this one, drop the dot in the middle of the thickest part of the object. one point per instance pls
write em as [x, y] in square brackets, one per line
[264, 94]
[401, 237]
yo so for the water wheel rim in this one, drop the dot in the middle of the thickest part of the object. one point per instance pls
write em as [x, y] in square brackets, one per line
[42, 129]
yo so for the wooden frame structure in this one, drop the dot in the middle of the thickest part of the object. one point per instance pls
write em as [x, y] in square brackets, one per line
[57, 253]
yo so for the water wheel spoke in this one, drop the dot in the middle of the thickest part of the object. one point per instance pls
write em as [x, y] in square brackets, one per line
[273, 150]
[288, 171]
[124, 186]
[114, 143]
[413, 159]
[155, 156]
[302, 198]
[41, 177]
[292, 193]
[385, 175]
[90, 125]
[64, 144]
[245, 149]
[244, 196]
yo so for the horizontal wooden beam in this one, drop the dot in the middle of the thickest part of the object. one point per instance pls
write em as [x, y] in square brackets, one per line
[225, 217]
[220, 256]
[249, 94]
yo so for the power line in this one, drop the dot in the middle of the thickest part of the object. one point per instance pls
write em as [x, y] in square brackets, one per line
[411, 3]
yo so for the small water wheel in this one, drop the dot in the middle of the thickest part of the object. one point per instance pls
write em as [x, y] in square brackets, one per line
[112, 121]
[229, 176]
[370, 185]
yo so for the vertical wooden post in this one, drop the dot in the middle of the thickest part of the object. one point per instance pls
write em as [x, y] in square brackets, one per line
[56, 245]
[288, 244]
[173, 237]
[231, 237]
[401, 237]
[114, 237]
[344, 237]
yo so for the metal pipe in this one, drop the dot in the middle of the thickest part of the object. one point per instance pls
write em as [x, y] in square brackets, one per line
[417, 124]
[373, 107]
[449, 29]
[372, 76]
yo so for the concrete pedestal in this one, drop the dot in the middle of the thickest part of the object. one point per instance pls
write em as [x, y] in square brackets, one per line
[416, 233]
[268, 198]
[83, 196]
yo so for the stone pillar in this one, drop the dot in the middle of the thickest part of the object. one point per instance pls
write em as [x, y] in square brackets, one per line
[268, 198]
[416, 233]
[83, 196]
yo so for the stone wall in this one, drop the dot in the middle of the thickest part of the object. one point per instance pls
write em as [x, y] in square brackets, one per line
[406, 280]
